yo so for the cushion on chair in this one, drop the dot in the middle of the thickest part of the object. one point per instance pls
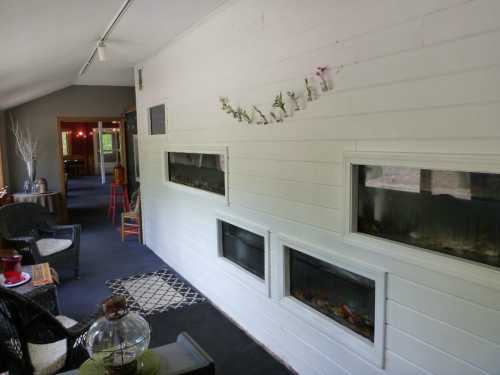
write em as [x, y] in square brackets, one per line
[49, 246]
[48, 359]
[65, 321]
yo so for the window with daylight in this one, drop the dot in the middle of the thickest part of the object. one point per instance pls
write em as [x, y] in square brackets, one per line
[107, 143]
[65, 139]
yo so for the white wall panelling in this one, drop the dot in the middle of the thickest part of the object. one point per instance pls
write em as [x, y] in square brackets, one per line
[419, 78]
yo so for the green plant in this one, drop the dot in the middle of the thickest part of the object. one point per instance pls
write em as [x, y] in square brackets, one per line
[279, 103]
[224, 103]
[226, 107]
[246, 116]
[262, 116]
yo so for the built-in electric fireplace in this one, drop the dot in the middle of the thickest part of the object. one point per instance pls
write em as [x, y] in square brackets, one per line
[245, 248]
[198, 170]
[455, 213]
[344, 296]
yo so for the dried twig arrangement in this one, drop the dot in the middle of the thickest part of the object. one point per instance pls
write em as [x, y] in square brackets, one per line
[26, 146]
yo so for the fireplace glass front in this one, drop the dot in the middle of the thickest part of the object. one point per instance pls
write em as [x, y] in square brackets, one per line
[244, 248]
[454, 213]
[197, 170]
[341, 295]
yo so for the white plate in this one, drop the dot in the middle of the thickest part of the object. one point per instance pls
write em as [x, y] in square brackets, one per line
[26, 277]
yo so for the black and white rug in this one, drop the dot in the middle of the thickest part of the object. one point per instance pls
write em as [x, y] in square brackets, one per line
[155, 292]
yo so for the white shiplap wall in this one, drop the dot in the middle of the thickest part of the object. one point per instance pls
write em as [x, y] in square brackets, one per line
[419, 76]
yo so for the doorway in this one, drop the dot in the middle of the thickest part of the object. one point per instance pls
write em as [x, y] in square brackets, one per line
[90, 148]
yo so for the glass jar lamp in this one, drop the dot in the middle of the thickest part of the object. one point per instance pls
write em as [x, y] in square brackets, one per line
[118, 339]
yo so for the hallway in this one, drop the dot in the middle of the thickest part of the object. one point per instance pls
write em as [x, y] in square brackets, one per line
[104, 257]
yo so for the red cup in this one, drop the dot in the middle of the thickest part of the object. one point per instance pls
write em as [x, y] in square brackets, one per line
[12, 269]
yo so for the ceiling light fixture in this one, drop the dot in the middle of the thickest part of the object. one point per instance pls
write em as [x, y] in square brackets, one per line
[101, 51]
[99, 48]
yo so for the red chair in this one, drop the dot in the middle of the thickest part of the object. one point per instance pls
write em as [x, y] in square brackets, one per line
[119, 194]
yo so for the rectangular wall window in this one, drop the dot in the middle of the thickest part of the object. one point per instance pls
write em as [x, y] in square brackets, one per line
[244, 248]
[450, 212]
[197, 170]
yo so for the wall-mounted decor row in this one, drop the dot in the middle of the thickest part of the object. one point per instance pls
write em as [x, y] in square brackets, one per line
[282, 108]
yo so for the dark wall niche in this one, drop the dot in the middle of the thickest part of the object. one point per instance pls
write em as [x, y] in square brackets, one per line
[245, 248]
[449, 212]
[157, 120]
[198, 170]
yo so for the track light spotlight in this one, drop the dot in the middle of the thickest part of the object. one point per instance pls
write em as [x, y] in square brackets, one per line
[101, 51]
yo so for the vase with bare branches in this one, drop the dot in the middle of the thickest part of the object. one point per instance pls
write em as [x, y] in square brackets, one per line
[27, 149]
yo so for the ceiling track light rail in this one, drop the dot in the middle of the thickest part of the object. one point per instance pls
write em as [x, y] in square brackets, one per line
[99, 49]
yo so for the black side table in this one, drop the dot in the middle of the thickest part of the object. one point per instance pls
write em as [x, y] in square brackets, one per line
[45, 295]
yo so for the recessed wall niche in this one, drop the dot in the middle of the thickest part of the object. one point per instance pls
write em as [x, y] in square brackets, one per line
[449, 212]
[339, 296]
[197, 169]
[157, 119]
[243, 251]
[244, 248]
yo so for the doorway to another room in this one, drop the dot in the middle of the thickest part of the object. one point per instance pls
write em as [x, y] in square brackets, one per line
[91, 151]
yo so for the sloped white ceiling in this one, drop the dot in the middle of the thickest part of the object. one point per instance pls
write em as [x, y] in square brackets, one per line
[45, 43]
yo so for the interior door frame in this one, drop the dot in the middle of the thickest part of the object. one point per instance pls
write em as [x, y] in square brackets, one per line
[60, 120]
[4, 128]
[2, 165]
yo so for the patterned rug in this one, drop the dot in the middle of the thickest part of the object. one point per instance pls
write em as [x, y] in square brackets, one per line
[155, 292]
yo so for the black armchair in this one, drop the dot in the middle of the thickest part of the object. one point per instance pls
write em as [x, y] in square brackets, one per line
[33, 340]
[31, 225]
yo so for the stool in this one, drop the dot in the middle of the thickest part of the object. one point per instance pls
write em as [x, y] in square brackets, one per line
[118, 192]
